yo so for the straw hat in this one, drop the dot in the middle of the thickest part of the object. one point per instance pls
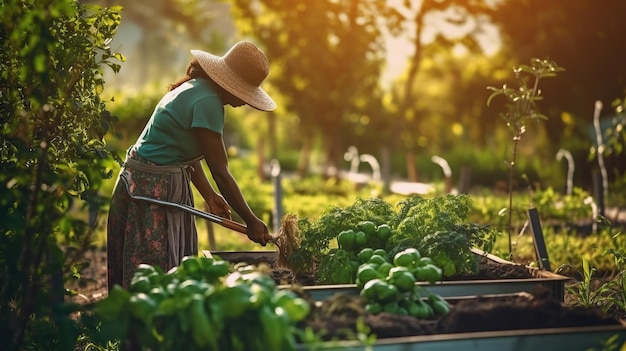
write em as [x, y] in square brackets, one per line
[240, 72]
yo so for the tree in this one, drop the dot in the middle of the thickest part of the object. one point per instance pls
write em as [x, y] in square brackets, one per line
[326, 60]
[581, 36]
[53, 158]
[419, 16]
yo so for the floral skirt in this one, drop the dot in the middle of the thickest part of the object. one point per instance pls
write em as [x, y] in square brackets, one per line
[140, 232]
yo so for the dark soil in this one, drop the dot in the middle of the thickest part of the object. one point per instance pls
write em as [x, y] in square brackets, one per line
[337, 316]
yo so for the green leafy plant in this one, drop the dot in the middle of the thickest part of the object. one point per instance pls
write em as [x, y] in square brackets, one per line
[562, 209]
[610, 295]
[449, 250]
[53, 159]
[439, 228]
[521, 107]
[584, 294]
[614, 290]
[318, 235]
[204, 304]
[389, 286]
[373, 223]
[338, 266]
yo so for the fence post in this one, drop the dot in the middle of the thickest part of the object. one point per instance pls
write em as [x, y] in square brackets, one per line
[598, 191]
[465, 179]
[277, 209]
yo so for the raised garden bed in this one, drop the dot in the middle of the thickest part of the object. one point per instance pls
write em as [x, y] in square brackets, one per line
[505, 306]
[488, 322]
[506, 322]
[496, 276]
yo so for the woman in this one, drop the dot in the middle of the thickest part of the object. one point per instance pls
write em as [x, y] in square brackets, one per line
[185, 127]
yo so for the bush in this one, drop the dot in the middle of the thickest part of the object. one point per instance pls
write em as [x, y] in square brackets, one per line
[53, 158]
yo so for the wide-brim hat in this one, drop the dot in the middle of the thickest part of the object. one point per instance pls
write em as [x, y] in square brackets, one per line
[240, 72]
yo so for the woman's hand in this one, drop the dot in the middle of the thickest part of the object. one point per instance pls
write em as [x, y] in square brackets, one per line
[258, 232]
[218, 206]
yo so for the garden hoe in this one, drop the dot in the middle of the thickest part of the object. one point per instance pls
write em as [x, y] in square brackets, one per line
[286, 239]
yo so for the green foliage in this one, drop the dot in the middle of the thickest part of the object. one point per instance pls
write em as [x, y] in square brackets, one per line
[610, 295]
[420, 216]
[568, 208]
[522, 100]
[485, 166]
[203, 304]
[482, 236]
[439, 227]
[338, 219]
[449, 250]
[615, 289]
[53, 157]
[317, 234]
[611, 344]
[337, 267]
[388, 285]
[133, 111]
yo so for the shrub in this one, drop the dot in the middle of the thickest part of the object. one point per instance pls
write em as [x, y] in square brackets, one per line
[53, 158]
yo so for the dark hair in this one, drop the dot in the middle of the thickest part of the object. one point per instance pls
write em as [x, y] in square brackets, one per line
[194, 70]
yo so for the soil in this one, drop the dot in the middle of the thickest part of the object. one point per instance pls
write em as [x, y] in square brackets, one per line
[337, 316]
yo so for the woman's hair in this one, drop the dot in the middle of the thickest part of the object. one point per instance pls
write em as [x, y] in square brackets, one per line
[193, 71]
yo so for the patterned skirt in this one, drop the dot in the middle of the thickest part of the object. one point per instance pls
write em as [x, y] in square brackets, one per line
[141, 232]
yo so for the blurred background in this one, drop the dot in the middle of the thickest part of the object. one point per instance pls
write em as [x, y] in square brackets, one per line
[399, 80]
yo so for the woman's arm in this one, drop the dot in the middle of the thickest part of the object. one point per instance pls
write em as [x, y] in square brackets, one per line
[215, 202]
[212, 147]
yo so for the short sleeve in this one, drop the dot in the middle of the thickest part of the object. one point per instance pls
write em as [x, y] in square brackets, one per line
[208, 112]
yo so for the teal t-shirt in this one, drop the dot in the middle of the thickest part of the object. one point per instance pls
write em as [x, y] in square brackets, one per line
[167, 138]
